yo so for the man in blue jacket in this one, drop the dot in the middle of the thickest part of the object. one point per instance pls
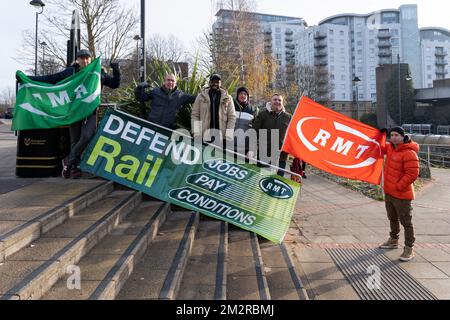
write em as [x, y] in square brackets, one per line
[166, 101]
[82, 131]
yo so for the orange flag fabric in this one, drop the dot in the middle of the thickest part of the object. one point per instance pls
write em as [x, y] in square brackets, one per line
[335, 143]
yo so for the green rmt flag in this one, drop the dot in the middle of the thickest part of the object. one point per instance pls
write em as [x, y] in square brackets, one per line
[42, 105]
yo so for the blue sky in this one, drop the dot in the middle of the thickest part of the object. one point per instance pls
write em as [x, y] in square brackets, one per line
[187, 19]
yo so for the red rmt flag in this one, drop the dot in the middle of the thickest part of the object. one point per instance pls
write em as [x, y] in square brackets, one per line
[335, 143]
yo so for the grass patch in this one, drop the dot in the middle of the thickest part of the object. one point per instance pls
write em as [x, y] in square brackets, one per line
[367, 189]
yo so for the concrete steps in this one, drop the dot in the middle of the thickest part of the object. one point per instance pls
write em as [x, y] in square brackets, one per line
[246, 277]
[108, 265]
[159, 273]
[282, 275]
[29, 273]
[90, 241]
[208, 258]
[30, 212]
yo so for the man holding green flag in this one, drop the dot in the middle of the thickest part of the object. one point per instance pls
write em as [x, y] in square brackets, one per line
[71, 98]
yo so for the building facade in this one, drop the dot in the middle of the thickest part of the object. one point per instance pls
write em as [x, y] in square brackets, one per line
[435, 45]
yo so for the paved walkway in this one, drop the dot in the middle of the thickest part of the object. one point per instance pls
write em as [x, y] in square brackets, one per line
[330, 216]
[8, 147]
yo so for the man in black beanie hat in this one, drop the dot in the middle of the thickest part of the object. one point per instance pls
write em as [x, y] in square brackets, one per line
[400, 171]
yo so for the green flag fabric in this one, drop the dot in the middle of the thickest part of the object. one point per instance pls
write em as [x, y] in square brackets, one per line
[170, 166]
[42, 105]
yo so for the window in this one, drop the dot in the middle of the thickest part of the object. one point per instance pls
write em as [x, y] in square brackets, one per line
[371, 41]
[331, 31]
[331, 40]
[342, 69]
[361, 96]
[360, 52]
[343, 96]
[341, 32]
[359, 43]
[332, 76]
[342, 50]
[429, 77]
[343, 77]
[428, 67]
[359, 34]
[341, 41]
[343, 87]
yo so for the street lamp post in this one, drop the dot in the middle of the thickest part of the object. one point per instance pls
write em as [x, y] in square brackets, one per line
[39, 5]
[355, 82]
[43, 44]
[138, 39]
[407, 78]
[143, 57]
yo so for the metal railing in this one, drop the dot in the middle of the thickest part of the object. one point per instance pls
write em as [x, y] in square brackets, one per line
[435, 155]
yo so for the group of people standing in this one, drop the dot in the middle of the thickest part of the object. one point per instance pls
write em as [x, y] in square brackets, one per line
[214, 108]
[215, 111]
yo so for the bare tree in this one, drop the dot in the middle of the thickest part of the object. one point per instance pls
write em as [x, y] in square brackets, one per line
[237, 48]
[7, 99]
[106, 29]
[313, 82]
[165, 48]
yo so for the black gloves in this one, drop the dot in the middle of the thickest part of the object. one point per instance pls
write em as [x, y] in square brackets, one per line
[142, 85]
[114, 65]
[384, 130]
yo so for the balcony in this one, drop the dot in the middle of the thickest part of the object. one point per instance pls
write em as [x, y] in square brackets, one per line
[320, 44]
[320, 53]
[385, 34]
[290, 55]
[384, 44]
[320, 35]
[321, 63]
[289, 32]
[290, 46]
[441, 63]
[385, 53]
[268, 32]
[288, 39]
[440, 53]
[441, 72]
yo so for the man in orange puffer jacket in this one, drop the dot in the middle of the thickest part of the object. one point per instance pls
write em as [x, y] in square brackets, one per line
[400, 171]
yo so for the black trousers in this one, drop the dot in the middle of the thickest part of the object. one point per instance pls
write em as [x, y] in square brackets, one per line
[81, 133]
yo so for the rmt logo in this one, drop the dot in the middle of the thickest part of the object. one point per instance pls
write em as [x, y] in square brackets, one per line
[339, 145]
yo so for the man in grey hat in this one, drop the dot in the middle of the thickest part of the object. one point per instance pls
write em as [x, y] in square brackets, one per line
[82, 131]
[167, 101]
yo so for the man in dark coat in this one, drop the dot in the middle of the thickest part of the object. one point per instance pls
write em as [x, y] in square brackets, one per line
[82, 131]
[167, 100]
[275, 120]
